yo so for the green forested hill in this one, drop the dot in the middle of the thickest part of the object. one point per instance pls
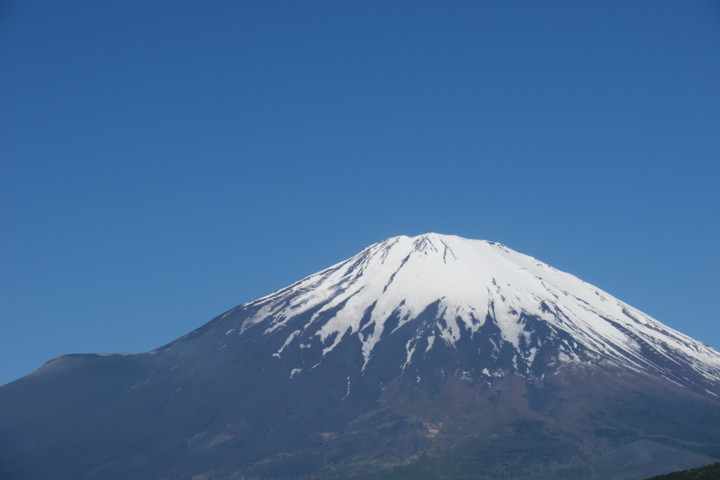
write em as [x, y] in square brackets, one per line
[711, 472]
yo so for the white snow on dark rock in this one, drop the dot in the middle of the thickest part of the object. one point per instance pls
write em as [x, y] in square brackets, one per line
[471, 280]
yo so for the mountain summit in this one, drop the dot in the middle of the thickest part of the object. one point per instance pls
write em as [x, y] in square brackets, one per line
[420, 357]
[475, 290]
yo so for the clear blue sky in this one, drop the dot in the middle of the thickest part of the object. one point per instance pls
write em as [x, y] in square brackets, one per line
[162, 162]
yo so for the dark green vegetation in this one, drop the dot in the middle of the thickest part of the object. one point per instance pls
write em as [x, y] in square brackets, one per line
[711, 472]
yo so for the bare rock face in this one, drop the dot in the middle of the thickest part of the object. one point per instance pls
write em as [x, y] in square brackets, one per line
[426, 357]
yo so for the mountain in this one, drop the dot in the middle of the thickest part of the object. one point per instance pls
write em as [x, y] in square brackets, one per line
[426, 357]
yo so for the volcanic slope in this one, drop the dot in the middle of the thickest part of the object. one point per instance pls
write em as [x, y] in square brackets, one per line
[426, 357]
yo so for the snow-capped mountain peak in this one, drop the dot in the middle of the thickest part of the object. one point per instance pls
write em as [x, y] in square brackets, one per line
[472, 285]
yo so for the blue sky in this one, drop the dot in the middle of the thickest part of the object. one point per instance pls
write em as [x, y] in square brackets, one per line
[161, 162]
